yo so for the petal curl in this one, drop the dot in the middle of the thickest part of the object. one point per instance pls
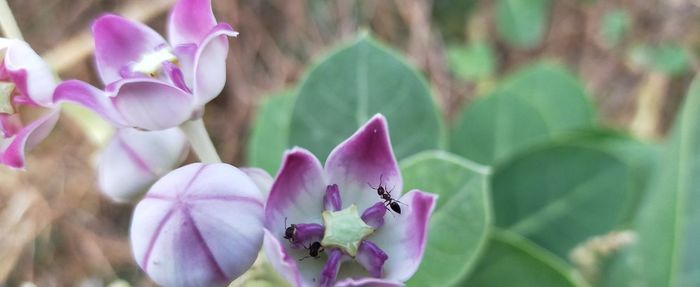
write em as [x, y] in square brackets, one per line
[30, 73]
[142, 157]
[120, 42]
[190, 21]
[297, 192]
[365, 159]
[210, 63]
[281, 260]
[403, 237]
[183, 232]
[29, 136]
[90, 97]
[150, 104]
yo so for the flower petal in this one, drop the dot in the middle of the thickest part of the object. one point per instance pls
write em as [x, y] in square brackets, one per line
[261, 178]
[30, 73]
[366, 158]
[183, 232]
[403, 237]
[297, 192]
[368, 282]
[151, 104]
[210, 63]
[120, 42]
[90, 97]
[280, 260]
[186, 54]
[12, 154]
[142, 157]
[190, 21]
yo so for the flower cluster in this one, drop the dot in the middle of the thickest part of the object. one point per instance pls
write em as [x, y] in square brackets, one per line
[203, 224]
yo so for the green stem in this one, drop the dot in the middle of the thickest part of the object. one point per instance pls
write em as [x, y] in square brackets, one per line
[199, 139]
[8, 24]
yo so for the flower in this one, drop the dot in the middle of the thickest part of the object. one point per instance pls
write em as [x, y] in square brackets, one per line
[199, 225]
[339, 207]
[151, 84]
[133, 160]
[27, 111]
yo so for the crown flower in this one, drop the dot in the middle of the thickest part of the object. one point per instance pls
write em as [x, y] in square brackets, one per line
[152, 84]
[329, 226]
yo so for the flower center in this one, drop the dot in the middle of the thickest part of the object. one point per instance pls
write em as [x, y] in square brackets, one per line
[345, 229]
[151, 63]
[6, 91]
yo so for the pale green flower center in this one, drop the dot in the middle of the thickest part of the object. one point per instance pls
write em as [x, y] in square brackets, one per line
[151, 63]
[345, 230]
[6, 90]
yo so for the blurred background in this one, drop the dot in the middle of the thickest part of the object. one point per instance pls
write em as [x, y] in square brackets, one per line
[635, 57]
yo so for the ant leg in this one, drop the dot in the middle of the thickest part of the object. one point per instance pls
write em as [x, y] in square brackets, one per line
[302, 259]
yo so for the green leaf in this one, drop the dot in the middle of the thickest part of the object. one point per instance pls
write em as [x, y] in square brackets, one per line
[351, 85]
[471, 62]
[536, 103]
[562, 193]
[665, 58]
[269, 137]
[522, 23]
[669, 219]
[615, 25]
[513, 261]
[459, 224]
[451, 17]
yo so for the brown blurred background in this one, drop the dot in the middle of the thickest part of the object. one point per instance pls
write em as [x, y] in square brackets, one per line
[55, 228]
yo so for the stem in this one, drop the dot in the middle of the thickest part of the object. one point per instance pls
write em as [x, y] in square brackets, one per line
[199, 140]
[8, 24]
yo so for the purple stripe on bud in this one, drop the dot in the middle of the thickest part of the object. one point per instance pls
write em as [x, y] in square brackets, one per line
[331, 201]
[307, 233]
[330, 270]
[372, 258]
[374, 215]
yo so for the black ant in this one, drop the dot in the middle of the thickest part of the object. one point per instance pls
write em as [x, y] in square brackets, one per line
[289, 231]
[314, 250]
[385, 195]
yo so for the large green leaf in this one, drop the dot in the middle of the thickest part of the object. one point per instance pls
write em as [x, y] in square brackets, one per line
[269, 137]
[461, 218]
[536, 103]
[350, 86]
[562, 193]
[668, 224]
[513, 261]
[522, 23]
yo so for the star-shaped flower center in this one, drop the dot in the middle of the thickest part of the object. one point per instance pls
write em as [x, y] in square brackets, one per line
[6, 91]
[151, 63]
[345, 230]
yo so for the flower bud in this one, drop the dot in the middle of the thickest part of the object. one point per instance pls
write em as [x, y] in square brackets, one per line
[199, 225]
[133, 160]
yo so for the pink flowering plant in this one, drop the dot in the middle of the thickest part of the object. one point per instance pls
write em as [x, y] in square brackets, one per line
[353, 178]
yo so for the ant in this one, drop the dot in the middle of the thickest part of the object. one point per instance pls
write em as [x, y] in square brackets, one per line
[289, 231]
[385, 195]
[314, 250]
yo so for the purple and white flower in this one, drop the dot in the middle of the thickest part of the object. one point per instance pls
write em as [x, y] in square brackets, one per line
[27, 111]
[152, 84]
[337, 206]
[199, 225]
[133, 160]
